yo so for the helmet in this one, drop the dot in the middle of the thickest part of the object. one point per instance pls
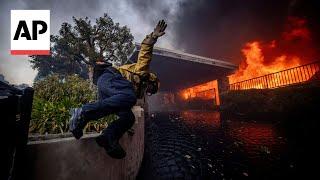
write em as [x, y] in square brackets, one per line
[153, 84]
[98, 68]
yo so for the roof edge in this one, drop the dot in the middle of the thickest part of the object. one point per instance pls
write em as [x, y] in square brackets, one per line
[188, 57]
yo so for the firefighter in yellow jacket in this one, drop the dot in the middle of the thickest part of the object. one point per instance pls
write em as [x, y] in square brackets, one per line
[118, 90]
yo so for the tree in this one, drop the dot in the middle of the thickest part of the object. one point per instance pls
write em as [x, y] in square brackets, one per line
[76, 48]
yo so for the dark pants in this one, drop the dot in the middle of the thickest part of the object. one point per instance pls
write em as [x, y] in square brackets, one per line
[116, 96]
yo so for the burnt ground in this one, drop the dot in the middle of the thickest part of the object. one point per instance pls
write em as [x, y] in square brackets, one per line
[202, 145]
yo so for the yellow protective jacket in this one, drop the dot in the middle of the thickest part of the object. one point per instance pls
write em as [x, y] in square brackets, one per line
[132, 72]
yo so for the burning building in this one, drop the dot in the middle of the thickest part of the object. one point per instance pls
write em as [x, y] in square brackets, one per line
[270, 44]
[186, 78]
[197, 81]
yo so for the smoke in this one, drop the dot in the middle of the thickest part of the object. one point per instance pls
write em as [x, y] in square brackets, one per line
[151, 11]
[219, 29]
[212, 28]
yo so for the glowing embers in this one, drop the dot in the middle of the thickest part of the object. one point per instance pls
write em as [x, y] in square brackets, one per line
[294, 48]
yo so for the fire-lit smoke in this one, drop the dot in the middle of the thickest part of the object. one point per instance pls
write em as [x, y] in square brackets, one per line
[295, 47]
[219, 28]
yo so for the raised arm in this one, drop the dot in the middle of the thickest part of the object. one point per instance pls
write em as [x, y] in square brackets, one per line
[145, 54]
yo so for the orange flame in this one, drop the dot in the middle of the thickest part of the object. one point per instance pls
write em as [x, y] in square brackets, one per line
[295, 48]
[204, 91]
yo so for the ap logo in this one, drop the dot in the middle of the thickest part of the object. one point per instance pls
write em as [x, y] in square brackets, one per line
[30, 32]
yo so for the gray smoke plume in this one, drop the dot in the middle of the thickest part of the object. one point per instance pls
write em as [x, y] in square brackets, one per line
[219, 28]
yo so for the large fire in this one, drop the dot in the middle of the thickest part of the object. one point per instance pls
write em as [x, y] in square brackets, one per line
[206, 91]
[294, 48]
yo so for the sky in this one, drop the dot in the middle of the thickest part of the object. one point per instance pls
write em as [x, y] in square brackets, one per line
[17, 69]
[212, 28]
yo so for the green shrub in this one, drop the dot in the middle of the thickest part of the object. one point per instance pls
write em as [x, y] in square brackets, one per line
[53, 98]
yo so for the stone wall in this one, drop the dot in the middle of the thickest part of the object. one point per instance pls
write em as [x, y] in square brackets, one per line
[67, 158]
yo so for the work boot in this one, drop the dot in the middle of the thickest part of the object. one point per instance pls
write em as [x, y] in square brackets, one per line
[112, 147]
[77, 123]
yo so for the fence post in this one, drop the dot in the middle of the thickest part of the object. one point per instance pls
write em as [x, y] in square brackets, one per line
[267, 84]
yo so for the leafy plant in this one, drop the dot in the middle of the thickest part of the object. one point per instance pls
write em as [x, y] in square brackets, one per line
[53, 98]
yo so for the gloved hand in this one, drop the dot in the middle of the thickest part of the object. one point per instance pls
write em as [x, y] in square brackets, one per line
[157, 32]
[159, 29]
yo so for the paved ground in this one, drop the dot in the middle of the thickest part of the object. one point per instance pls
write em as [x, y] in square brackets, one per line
[199, 145]
[175, 152]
